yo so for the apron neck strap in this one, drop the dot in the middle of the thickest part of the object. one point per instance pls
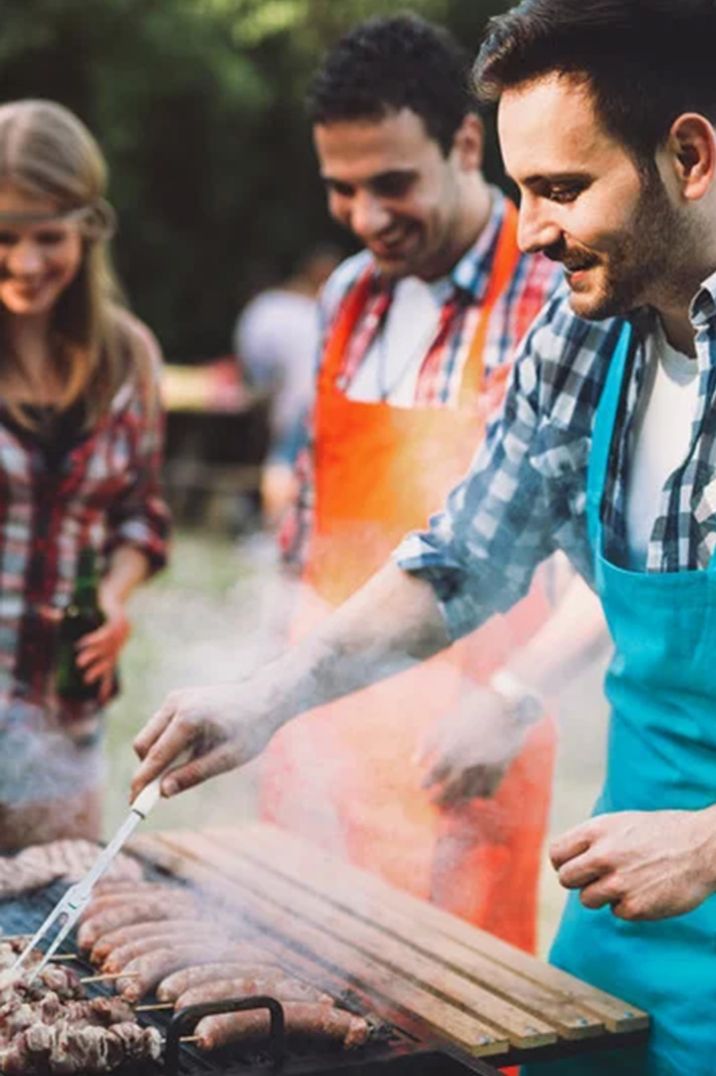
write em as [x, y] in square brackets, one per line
[602, 437]
[345, 322]
[507, 256]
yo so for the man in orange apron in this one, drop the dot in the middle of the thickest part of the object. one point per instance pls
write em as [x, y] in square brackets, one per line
[420, 328]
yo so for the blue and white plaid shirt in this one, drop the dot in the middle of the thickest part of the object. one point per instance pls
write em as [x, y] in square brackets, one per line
[526, 493]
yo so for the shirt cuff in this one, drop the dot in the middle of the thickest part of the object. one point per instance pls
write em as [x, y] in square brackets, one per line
[462, 601]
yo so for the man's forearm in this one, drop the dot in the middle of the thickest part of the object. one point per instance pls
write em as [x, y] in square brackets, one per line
[388, 625]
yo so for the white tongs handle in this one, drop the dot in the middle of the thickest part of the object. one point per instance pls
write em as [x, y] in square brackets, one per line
[148, 798]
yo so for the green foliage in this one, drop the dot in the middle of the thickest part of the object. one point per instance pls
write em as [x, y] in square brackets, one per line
[199, 107]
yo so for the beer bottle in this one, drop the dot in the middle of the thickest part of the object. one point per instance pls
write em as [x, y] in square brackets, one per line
[82, 615]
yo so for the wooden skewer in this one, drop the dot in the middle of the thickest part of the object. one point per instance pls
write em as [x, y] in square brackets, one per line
[109, 977]
[189, 1038]
[156, 1007]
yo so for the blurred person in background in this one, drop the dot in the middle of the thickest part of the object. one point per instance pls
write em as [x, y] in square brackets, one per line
[418, 333]
[80, 442]
[276, 340]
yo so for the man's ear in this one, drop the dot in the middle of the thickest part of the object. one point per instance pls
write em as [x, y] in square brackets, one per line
[468, 147]
[692, 151]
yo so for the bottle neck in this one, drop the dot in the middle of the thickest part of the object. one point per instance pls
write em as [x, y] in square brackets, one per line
[87, 579]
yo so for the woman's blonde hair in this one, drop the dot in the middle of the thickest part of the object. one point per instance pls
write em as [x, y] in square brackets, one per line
[47, 152]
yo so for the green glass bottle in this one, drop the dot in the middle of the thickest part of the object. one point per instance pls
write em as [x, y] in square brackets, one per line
[82, 615]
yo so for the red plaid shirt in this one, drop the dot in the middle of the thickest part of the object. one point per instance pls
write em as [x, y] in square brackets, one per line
[440, 376]
[104, 492]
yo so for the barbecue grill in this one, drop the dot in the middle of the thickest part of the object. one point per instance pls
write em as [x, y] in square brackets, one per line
[418, 1027]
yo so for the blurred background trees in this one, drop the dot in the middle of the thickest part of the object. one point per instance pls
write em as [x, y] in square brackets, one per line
[199, 107]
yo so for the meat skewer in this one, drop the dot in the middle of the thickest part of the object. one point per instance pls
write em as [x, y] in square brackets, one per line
[107, 977]
[64, 1048]
[48, 1027]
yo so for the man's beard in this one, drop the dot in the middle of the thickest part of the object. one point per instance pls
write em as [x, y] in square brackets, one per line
[645, 260]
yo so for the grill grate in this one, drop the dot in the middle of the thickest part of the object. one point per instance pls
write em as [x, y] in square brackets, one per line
[398, 1045]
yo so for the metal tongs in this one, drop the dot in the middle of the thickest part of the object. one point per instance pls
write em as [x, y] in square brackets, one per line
[68, 910]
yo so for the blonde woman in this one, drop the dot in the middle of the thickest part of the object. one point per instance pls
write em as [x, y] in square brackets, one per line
[80, 439]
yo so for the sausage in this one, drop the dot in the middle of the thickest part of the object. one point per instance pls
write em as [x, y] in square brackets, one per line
[125, 885]
[107, 943]
[119, 957]
[173, 897]
[144, 972]
[125, 914]
[179, 982]
[320, 1023]
[276, 984]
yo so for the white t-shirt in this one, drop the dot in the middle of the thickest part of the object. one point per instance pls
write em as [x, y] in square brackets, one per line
[661, 437]
[390, 368]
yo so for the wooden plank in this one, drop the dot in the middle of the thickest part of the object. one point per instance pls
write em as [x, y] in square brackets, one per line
[469, 1033]
[617, 1015]
[524, 1030]
[549, 1006]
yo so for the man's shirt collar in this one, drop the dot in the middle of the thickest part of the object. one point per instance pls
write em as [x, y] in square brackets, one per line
[471, 274]
[703, 306]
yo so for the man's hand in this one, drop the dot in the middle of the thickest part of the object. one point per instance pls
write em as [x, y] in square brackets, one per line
[645, 864]
[468, 753]
[221, 727]
[98, 651]
[386, 626]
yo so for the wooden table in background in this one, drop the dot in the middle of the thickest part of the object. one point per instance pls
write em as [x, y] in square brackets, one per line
[216, 439]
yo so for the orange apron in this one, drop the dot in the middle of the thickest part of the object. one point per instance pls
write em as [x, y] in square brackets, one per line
[343, 775]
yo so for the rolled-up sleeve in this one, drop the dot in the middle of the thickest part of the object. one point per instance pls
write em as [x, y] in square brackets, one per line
[480, 552]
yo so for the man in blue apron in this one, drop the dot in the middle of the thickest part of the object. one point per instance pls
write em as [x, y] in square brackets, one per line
[605, 449]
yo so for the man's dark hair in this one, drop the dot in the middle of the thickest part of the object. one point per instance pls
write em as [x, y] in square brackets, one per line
[645, 61]
[386, 64]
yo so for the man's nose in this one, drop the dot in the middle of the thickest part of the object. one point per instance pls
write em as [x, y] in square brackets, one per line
[24, 258]
[369, 216]
[537, 230]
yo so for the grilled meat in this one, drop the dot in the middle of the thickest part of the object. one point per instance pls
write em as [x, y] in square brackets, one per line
[319, 1023]
[109, 943]
[276, 985]
[40, 864]
[176, 984]
[120, 957]
[134, 910]
[145, 972]
[65, 1047]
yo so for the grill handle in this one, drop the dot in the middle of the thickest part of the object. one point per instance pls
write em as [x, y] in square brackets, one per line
[186, 1020]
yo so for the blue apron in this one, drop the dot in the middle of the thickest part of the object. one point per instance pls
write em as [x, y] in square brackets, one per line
[661, 755]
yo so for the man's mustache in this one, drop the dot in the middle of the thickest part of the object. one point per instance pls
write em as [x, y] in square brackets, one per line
[572, 260]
